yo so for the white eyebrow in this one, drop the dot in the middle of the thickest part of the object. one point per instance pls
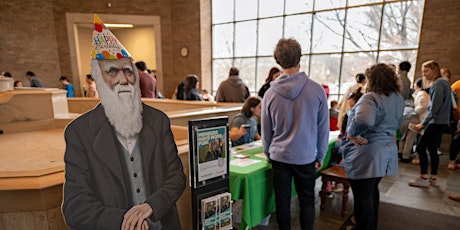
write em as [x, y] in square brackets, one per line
[109, 65]
[128, 67]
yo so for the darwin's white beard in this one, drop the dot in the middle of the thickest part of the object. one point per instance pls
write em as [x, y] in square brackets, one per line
[123, 110]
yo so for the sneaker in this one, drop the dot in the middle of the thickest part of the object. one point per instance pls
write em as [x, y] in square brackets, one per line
[434, 183]
[329, 195]
[419, 182]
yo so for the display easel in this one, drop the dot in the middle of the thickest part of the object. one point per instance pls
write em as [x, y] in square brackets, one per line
[209, 164]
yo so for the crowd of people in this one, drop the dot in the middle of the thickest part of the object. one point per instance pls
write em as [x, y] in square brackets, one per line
[369, 116]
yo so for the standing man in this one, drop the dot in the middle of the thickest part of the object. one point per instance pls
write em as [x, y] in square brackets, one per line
[122, 170]
[67, 86]
[148, 83]
[403, 69]
[295, 134]
[34, 81]
[233, 89]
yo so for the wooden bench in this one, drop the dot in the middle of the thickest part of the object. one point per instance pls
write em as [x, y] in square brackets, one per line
[337, 174]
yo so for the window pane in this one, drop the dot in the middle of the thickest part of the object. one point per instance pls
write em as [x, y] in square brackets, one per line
[396, 57]
[269, 8]
[299, 27]
[298, 6]
[270, 31]
[245, 38]
[222, 41]
[401, 23]
[222, 11]
[220, 69]
[362, 28]
[361, 2]
[328, 31]
[329, 4]
[305, 64]
[247, 67]
[325, 69]
[264, 65]
[353, 64]
[245, 9]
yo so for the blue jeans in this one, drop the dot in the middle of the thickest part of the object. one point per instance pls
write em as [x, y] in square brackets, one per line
[304, 181]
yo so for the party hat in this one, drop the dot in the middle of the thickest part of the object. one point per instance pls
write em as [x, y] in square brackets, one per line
[105, 45]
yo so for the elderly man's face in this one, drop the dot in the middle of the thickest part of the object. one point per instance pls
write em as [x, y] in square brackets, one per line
[117, 72]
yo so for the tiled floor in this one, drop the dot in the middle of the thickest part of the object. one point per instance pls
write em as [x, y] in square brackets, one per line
[394, 190]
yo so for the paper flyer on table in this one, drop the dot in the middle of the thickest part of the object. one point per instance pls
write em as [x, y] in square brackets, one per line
[212, 152]
[261, 155]
[247, 146]
[244, 162]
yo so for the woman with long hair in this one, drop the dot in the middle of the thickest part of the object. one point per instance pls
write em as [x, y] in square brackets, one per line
[372, 151]
[433, 124]
[243, 128]
[190, 89]
[272, 75]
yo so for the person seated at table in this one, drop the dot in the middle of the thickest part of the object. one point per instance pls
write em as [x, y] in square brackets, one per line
[243, 128]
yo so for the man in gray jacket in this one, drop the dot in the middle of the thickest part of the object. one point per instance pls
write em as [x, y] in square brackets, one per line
[233, 89]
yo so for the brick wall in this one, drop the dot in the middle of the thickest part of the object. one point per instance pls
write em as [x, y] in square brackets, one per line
[28, 41]
[33, 35]
[439, 38]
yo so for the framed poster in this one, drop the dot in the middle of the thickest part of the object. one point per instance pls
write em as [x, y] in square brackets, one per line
[208, 150]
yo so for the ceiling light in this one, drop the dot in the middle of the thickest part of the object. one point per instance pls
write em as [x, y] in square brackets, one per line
[115, 25]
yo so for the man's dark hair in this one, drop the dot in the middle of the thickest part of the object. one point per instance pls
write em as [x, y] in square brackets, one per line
[88, 76]
[234, 72]
[405, 65]
[30, 73]
[287, 53]
[63, 78]
[140, 65]
[7, 74]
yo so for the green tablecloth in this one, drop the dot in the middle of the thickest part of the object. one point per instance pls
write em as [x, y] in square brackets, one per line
[254, 184]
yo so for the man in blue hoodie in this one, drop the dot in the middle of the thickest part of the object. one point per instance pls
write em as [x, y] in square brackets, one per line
[295, 133]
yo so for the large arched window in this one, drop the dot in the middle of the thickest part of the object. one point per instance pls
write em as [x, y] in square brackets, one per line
[339, 38]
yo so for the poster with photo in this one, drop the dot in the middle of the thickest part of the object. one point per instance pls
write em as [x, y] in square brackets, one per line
[210, 213]
[225, 214]
[211, 150]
